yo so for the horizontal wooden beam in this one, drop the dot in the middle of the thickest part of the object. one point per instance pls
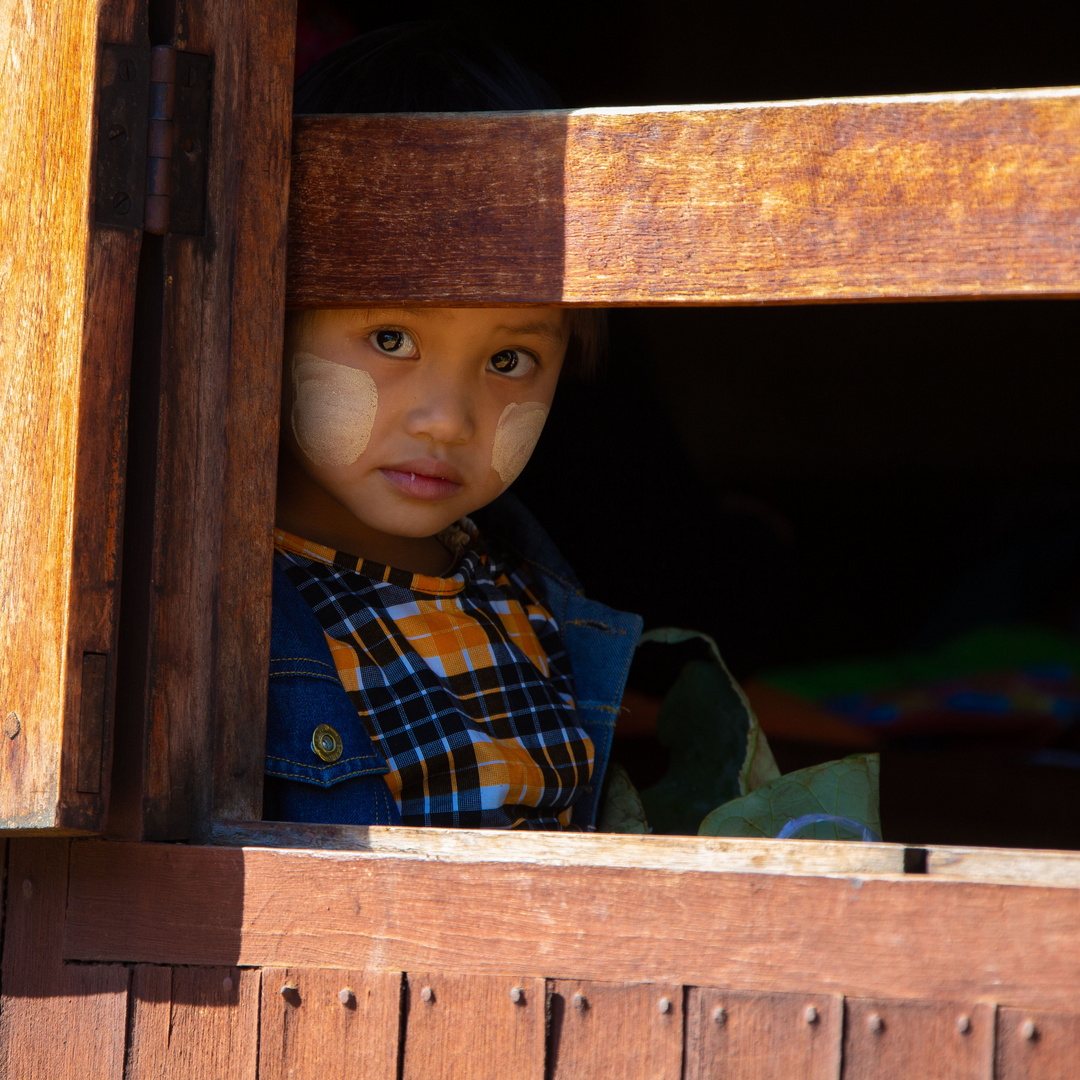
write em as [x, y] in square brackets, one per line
[890, 198]
[727, 854]
[884, 936]
[631, 852]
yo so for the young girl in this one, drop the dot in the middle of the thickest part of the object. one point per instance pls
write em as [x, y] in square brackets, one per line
[427, 667]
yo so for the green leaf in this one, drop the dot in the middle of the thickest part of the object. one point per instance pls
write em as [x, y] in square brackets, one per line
[718, 751]
[847, 788]
[620, 804]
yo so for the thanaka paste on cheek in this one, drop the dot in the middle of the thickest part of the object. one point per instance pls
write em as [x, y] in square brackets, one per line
[515, 438]
[333, 409]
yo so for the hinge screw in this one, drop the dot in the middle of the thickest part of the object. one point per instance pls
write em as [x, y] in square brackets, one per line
[427, 994]
[811, 1014]
[191, 76]
[127, 70]
[121, 202]
[117, 132]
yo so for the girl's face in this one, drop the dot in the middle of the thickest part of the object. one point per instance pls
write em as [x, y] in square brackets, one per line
[410, 418]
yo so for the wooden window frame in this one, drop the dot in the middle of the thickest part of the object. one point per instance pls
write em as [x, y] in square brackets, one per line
[934, 196]
[847, 200]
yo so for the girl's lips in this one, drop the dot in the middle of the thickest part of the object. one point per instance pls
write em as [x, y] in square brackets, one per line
[419, 485]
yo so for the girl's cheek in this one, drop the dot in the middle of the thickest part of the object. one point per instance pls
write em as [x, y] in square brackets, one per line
[333, 409]
[515, 438]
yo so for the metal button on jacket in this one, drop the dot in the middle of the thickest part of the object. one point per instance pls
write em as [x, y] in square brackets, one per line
[326, 742]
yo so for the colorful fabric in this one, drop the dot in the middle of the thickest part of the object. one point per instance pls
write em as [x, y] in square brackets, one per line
[461, 681]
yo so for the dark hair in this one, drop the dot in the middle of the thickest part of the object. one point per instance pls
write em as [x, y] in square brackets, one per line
[440, 66]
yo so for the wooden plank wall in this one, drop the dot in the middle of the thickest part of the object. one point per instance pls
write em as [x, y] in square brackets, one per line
[181, 1021]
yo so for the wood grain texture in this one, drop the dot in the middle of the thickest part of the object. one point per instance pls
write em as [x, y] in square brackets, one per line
[940, 195]
[821, 934]
[1037, 1046]
[625, 1031]
[65, 337]
[933, 1040]
[193, 1023]
[468, 1027]
[309, 1033]
[208, 500]
[1007, 867]
[56, 1021]
[576, 849]
[736, 1035]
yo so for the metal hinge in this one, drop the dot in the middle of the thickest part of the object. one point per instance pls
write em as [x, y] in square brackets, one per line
[153, 135]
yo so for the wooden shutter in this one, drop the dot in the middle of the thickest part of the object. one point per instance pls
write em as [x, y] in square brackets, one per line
[188, 326]
[66, 306]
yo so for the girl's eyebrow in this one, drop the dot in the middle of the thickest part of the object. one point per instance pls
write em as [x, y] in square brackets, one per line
[554, 332]
[541, 328]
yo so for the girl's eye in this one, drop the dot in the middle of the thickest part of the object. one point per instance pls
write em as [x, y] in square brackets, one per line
[393, 343]
[511, 362]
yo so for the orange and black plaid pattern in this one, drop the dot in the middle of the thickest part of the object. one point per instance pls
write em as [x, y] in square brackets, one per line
[462, 682]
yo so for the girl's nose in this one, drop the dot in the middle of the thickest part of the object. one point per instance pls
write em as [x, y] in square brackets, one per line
[443, 411]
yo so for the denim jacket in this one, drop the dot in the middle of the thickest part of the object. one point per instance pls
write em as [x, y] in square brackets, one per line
[305, 690]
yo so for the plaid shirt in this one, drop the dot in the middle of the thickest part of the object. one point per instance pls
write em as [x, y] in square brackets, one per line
[462, 682]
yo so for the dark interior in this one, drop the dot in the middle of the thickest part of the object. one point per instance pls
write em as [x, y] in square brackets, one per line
[824, 483]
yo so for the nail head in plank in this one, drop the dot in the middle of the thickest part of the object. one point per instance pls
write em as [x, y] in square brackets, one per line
[630, 1030]
[896, 1040]
[469, 1025]
[193, 1021]
[1037, 1045]
[741, 1035]
[332, 1023]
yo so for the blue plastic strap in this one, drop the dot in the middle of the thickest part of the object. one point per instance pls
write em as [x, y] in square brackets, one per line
[796, 825]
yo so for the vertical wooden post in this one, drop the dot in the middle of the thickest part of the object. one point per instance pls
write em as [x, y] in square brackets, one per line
[197, 611]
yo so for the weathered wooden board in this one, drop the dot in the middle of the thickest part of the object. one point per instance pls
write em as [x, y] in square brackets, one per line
[957, 940]
[937, 195]
[207, 450]
[193, 1023]
[475, 1026]
[934, 1040]
[66, 301]
[1037, 1046]
[320, 1023]
[735, 1035]
[56, 1021]
[1007, 867]
[621, 1030]
[584, 849]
